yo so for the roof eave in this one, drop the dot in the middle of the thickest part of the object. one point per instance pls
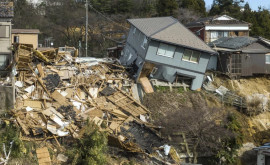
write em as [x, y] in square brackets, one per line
[205, 51]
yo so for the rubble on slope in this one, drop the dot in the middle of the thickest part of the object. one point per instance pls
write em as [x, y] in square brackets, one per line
[57, 93]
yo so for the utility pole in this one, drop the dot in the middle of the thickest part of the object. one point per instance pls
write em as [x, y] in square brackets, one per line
[86, 27]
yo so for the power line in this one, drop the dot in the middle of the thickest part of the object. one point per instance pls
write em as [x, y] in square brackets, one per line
[107, 17]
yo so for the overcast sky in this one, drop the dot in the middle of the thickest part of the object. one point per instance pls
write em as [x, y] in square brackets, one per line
[254, 4]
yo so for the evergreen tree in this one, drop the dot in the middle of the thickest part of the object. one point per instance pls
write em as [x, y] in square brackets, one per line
[105, 6]
[196, 5]
[124, 6]
[24, 10]
[167, 8]
[229, 7]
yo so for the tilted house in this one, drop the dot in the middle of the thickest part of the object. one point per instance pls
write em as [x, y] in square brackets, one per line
[212, 28]
[243, 56]
[165, 49]
[6, 15]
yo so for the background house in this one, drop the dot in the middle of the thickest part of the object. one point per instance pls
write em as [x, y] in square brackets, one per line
[164, 49]
[243, 56]
[25, 36]
[212, 28]
[6, 15]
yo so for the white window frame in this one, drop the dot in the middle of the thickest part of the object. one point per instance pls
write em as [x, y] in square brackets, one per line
[217, 35]
[166, 50]
[144, 43]
[196, 62]
[268, 54]
[134, 31]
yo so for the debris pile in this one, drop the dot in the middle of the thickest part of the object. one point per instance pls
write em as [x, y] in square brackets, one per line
[56, 96]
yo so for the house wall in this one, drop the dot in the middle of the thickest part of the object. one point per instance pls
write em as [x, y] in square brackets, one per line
[134, 53]
[176, 65]
[255, 63]
[260, 158]
[231, 34]
[27, 39]
[201, 34]
[5, 43]
[212, 64]
[253, 60]
[177, 61]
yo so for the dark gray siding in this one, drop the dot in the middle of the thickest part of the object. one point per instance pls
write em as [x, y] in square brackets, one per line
[177, 61]
[135, 41]
[254, 64]
[212, 64]
[168, 68]
[133, 47]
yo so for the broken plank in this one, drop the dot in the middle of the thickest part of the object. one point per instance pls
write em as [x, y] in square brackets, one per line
[25, 130]
[147, 87]
[59, 98]
[32, 104]
[40, 70]
[43, 156]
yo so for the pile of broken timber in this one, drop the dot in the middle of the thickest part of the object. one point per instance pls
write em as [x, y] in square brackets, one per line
[55, 100]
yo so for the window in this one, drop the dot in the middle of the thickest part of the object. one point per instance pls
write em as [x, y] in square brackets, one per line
[218, 34]
[3, 61]
[166, 50]
[16, 39]
[134, 31]
[144, 43]
[190, 55]
[267, 58]
[4, 31]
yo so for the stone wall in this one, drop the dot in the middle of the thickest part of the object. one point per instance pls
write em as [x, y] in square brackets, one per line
[6, 98]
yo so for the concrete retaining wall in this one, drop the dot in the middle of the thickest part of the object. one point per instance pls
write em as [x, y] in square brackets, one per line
[7, 98]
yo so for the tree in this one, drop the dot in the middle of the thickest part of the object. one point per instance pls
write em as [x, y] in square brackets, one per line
[205, 128]
[124, 6]
[229, 7]
[104, 6]
[167, 8]
[196, 5]
[25, 15]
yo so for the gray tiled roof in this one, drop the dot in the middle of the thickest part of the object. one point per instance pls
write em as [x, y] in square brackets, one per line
[233, 42]
[211, 21]
[170, 30]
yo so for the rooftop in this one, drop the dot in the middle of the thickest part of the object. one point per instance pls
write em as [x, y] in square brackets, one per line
[236, 43]
[216, 20]
[233, 42]
[25, 31]
[170, 30]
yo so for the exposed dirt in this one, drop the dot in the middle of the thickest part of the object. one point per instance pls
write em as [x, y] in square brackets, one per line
[245, 86]
[162, 103]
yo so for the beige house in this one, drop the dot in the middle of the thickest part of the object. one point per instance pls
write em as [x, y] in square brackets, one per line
[25, 36]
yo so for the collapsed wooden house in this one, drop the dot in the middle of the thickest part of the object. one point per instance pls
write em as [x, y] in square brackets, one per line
[243, 56]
